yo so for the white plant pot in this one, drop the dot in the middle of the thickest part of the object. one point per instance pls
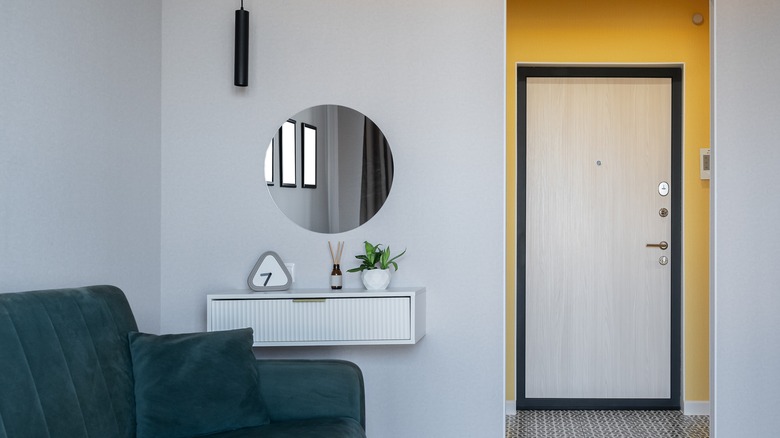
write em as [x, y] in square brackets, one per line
[376, 279]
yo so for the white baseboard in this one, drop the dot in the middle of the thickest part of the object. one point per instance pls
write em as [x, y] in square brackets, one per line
[510, 408]
[696, 407]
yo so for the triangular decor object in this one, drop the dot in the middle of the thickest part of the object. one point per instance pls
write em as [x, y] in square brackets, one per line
[269, 274]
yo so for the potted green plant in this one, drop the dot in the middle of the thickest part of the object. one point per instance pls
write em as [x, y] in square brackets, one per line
[375, 266]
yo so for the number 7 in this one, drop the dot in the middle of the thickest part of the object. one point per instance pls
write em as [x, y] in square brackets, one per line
[267, 276]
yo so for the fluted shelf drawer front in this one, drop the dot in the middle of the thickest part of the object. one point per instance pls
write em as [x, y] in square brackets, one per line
[317, 320]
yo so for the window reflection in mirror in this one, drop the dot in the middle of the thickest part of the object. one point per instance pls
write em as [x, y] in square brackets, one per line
[309, 155]
[269, 164]
[287, 147]
[347, 172]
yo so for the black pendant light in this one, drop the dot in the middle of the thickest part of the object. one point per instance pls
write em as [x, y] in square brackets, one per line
[241, 67]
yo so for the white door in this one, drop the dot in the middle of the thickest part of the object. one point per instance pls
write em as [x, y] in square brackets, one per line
[597, 298]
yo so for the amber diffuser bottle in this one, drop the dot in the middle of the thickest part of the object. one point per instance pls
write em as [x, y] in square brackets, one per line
[335, 274]
[335, 277]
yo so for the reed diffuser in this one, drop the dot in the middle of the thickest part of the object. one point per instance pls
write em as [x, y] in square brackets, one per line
[335, 274]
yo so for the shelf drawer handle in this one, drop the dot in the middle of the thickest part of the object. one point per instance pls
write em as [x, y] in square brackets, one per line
[309, 300]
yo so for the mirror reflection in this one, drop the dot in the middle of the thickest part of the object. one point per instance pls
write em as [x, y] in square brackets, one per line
[329, 168]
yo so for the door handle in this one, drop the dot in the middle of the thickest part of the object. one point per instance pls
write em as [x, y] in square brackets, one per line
[662, 244]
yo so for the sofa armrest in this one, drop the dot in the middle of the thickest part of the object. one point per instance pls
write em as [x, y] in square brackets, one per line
[302, 389]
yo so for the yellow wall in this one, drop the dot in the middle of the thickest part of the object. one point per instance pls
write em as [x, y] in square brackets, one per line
[626, 31]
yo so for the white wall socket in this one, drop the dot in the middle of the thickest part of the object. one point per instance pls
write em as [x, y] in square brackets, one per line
[291, 268]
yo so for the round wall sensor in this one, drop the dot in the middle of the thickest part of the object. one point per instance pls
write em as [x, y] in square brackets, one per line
[698, 18]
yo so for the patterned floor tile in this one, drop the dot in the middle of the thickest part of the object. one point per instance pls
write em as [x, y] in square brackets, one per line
[606, 424]
[543, 424]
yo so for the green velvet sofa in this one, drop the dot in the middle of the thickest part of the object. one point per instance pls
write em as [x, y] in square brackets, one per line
[73, 365]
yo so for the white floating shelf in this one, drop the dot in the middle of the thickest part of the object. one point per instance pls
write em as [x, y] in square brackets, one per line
[306, 317]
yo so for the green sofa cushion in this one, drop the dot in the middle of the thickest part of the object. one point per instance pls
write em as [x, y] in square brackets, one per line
[195, 384]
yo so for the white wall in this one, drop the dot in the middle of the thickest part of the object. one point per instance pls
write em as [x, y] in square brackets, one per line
[80, 148]
[430, 74]
[745, 216]
[350, 164]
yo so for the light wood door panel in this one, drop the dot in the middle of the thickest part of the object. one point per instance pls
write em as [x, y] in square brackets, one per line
[598, 312]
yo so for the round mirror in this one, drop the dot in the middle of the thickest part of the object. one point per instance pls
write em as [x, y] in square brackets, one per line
[329, 168]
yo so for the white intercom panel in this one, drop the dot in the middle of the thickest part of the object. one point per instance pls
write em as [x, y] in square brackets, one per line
[704, 163]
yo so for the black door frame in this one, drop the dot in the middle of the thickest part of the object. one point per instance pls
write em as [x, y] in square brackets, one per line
[676, 75]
